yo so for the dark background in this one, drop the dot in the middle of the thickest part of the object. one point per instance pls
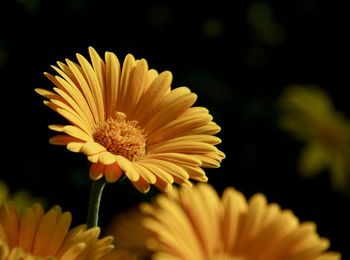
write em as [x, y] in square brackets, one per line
[236, 55]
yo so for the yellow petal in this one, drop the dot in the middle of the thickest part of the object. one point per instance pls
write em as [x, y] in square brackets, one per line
[46, 93]
[77, 96]
[94, 158]
[158, 172]
[72, 117]
[195, 172]
[10, 222]
[136, 88]
[127, 72]
[211, 128]
[106, 158]
[177, 127]
[153, 96]
[207, 160]
[91, 148]
[77, 133]
[86, 90]
[58, 128]
[74, 251]
[132, 173]
[75, 147]
[94, 85]
[183, 147]
[234, 204]
[112, 82]
[27, 230]
[171, 168]
[83, 112]
[253, 219]
[59, 233]
[99, 67]
[174, 104]
[43, 236]
[178, 158]
[145, 173]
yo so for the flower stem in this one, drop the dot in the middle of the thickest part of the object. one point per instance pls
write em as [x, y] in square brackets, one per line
[94, 202]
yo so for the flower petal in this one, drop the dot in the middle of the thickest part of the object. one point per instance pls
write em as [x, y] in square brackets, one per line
[27, 230]
[106, 158]
[153, 96]
[174, 104]
[94, 85]
[137, 82]
[86, 90]
[127, 73]
[178, 158]
[91, 148]
[185, 122]
[62, 139]
[142, 185]
[145, 173]
[75, 147]
[113, 172]
[112, 82]
[182, 147]
[77, 133]
[96, 171]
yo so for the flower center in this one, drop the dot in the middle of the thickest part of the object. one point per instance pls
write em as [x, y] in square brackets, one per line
[121, 137]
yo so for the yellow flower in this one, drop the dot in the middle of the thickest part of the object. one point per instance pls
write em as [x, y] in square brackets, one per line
[129, 236]
[308, 114]
[127, 120]
[195, 223]
[39, 235]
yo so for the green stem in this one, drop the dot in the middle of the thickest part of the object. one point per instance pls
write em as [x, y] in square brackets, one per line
[94, 202]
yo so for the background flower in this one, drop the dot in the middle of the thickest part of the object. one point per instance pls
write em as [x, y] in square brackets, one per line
[130, 236]
[39, 235]
[196, 224]
[307, 113]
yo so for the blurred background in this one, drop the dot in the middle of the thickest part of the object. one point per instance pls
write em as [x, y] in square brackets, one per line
[238, 56]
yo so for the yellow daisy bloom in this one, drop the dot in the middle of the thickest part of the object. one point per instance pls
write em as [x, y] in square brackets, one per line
[195, 223]
[39, 235]
[307, 112]
[127, 120]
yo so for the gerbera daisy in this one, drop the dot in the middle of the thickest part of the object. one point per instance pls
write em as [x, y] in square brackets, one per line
[127, 120]
[195, 223]
[39, 235]
[307, 112]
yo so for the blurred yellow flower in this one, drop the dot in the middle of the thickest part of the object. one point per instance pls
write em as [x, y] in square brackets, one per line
[195, 223]
[22, 198]
[127, 120]
[307, 112]
[39, 235]
[129, 236]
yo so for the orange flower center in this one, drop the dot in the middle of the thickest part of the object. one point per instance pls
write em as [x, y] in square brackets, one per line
[121, 137]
